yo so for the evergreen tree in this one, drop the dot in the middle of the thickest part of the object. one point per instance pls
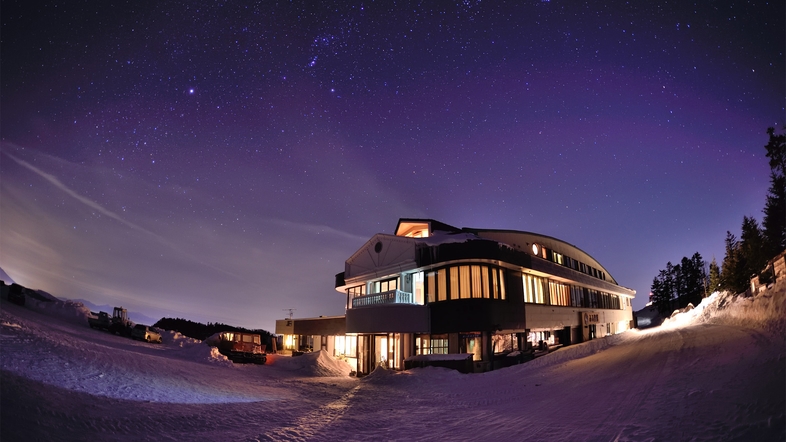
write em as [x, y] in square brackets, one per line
[678, 285]
[752, 247]
[774, 222]
[663, 290]
[695, 278]
[732, 275]
[714, 279]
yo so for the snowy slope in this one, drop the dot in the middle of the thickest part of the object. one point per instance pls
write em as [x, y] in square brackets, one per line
[714, 373]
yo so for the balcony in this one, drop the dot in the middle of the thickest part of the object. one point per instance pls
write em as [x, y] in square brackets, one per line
[389, 297]
[393, 311]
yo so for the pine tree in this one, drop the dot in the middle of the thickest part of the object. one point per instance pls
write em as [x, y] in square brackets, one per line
[752, 247]
[663, 290]
[774, 222]
[714, 279]
[695, 277]
[678, 285]
[732, 275]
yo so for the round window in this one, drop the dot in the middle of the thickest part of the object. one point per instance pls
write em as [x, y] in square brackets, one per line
[378, 247]
[535, 249]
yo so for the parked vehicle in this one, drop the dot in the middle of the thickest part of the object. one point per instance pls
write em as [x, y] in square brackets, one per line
[146, 333]
[242, 347]
[100, 320]
[118, 324]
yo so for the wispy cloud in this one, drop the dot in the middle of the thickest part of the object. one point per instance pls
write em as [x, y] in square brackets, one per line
[106, 212]
[84, 200]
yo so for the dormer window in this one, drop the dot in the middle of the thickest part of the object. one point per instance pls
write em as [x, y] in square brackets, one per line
[413, 230]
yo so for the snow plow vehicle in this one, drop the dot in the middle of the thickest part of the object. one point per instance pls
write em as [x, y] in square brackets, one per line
[242, 347]
[117, 324]
[99, 320]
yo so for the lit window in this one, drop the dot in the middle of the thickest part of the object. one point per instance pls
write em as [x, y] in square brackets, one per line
[464, 285]
[454, 282]
[484, 281]
[501, 284]
[533, 289]
[442, 286]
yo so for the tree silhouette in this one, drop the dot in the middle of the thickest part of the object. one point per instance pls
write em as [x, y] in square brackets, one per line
[774, 222]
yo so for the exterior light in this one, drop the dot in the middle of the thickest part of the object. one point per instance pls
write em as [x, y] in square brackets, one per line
[535, 249]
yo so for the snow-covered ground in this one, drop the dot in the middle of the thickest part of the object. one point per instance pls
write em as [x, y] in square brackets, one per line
[714, 373]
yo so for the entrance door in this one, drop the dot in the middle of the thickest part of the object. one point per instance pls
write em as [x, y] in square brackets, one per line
[381, 351]
[471, 344]
[592, 331]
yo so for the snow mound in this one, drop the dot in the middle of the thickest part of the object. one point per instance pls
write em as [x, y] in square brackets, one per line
[68, 310]
[177, 339]
[213, 340]
[201, 352]
[193, 349]
[381, 375]
[317, 364]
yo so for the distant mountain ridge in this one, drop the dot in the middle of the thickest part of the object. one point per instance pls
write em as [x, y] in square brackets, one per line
[4, 277]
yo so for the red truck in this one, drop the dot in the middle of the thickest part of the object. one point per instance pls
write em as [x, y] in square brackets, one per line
[242, 347]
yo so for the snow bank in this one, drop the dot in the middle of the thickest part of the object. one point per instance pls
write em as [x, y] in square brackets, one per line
[317, 363]
[767, 310]
[578, 351]
[68, 310]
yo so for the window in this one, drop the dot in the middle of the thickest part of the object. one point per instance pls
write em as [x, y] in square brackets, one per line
[464, 288]
[558, 293]
[417, 287]
[438, 345]
[358, 290]
[477, 283]
[385, 285]
[501, 284]
[346, 346]
[454, 282]
[464, 282]
[442, 286]
[431, 286]
[576, 295]
[533, 289]
[484, 281]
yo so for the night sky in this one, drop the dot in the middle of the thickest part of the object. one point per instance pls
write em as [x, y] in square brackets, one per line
[220, 161]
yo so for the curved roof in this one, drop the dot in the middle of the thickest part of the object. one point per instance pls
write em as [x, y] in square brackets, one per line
[520, 240]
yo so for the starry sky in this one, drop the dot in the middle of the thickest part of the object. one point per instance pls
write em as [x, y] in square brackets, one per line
[220, 161]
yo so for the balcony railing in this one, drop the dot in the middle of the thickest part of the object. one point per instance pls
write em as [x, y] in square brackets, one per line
[389, 297]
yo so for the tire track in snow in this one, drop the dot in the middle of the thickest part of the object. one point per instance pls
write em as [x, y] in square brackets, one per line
[617, 424]
[309, 426]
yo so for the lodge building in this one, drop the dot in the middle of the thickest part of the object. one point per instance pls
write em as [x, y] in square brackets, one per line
[435, 289]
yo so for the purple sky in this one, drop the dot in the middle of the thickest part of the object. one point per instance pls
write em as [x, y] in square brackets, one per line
[221, 162]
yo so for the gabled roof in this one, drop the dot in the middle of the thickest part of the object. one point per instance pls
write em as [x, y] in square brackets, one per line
[380, 256]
